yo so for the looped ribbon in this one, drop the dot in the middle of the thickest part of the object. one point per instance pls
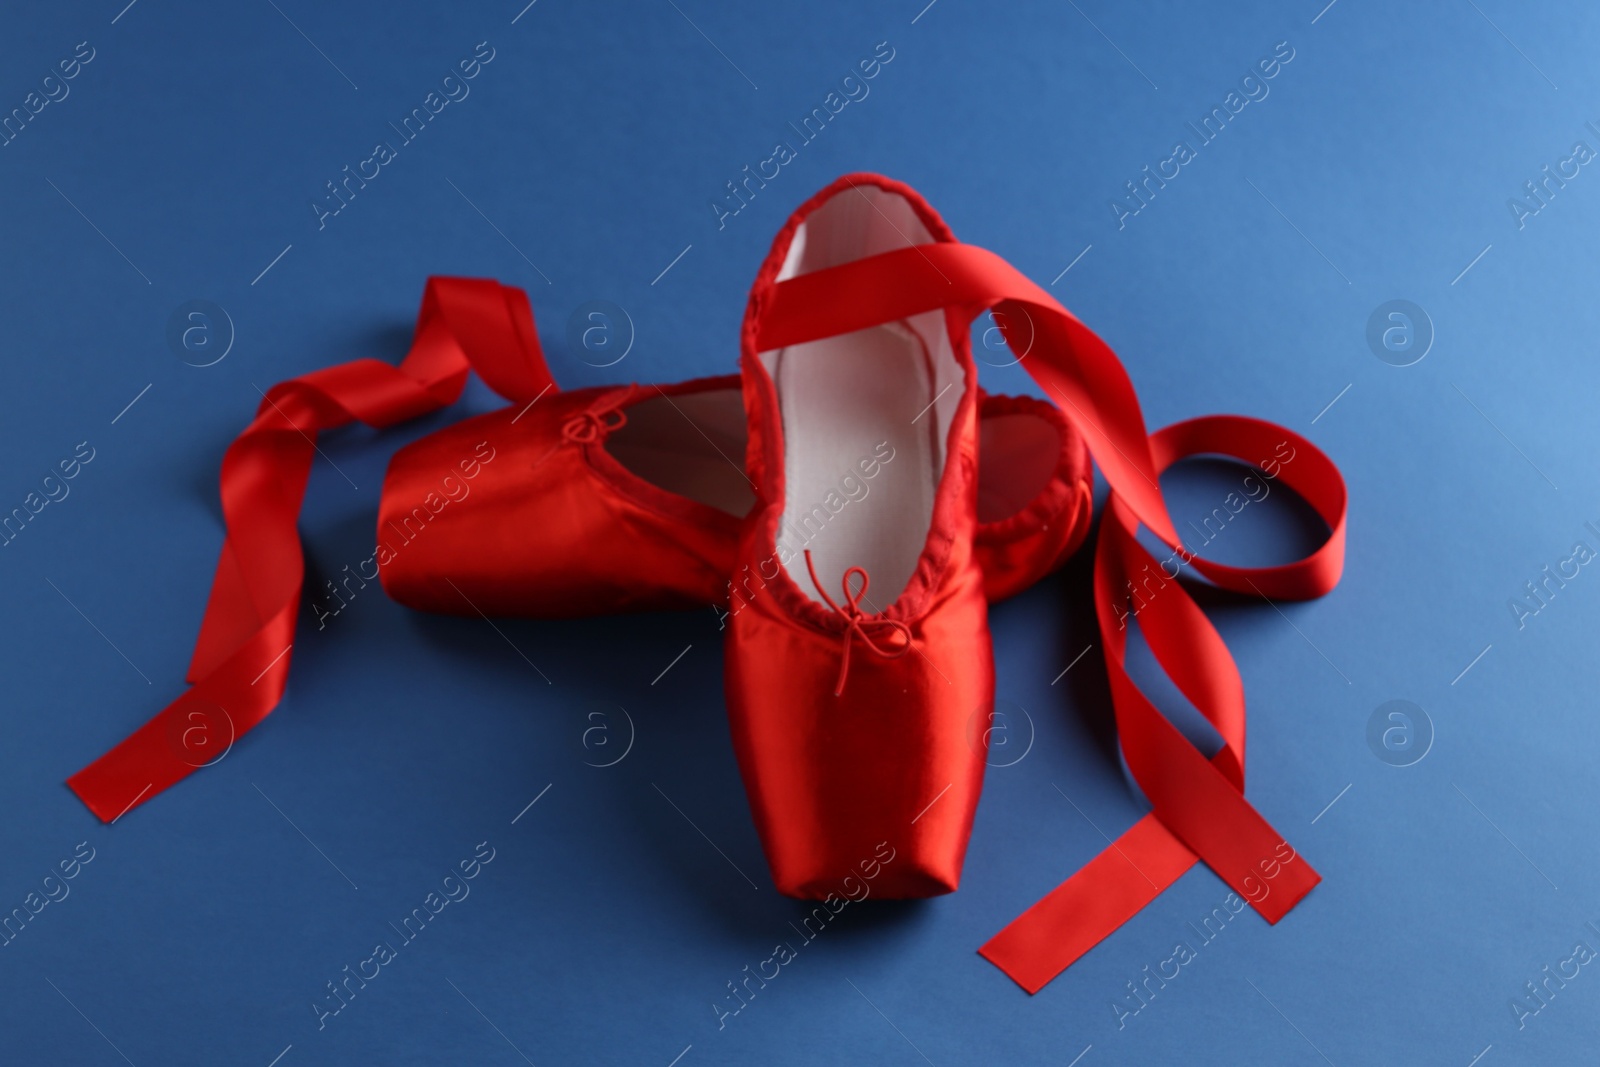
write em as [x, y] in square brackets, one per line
[1198, 808]
[857, 621]
[604, 416]
[241, 659]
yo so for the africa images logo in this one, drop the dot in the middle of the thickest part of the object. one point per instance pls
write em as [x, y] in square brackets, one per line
[1253, 87]
[453, 88]
[853, 88]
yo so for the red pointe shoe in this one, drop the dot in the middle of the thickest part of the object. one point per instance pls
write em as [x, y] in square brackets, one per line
[628, 498]
[858, 659]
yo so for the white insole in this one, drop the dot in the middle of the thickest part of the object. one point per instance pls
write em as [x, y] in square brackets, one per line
[851, 404]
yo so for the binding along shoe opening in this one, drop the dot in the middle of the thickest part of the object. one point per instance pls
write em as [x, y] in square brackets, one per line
[887, 391]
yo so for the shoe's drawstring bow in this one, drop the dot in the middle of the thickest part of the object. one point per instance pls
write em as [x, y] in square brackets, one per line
[857, 621]
[604, 416]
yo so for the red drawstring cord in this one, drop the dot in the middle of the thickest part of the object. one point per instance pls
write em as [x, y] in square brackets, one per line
[603, 417]
[857, 621]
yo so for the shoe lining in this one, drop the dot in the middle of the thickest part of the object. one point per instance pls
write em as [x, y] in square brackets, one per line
[691, 444]
[865, 415]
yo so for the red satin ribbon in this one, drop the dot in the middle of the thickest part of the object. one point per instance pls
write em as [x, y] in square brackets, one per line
[1198, 805]
[241, 660]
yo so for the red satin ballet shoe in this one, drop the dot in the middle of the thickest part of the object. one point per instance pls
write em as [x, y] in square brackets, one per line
[628, 498]
[814, 778]
[859, 658]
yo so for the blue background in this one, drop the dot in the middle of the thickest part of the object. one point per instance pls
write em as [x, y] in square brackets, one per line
[1378, 168]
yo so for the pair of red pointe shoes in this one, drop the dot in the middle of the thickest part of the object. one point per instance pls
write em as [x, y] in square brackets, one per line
[885, 501]
[850, 503]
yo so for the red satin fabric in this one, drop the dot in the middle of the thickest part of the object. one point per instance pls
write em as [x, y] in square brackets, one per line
[241, 660]
[893, 760]
[554, 527]
[1198, 805]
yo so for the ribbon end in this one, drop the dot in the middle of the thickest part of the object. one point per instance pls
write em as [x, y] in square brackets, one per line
[1282, 903]
[85, 792]
[133, 772]
[1030, 981]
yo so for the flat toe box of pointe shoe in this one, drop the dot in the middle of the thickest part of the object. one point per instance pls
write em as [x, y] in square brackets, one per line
[893, 764]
